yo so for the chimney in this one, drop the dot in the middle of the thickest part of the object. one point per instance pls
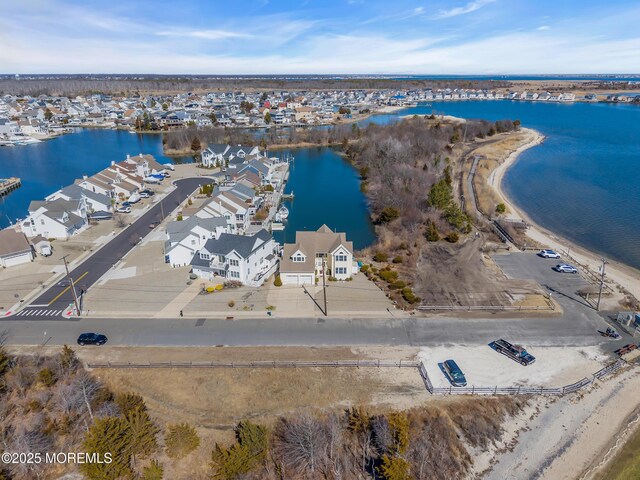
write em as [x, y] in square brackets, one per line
[128, 156]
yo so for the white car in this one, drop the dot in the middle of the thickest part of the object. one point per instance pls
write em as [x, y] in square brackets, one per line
[123, 209]
[549, 254]
[565, 268]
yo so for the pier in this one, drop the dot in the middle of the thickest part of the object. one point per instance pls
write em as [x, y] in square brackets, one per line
[8, 185]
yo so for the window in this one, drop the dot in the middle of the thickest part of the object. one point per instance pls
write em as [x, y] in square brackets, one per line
[341, 270]
[234, 263]
[204, 256]
[42, 221]
[298, 258]
[193, 242]
[341, 258]
[233, 274]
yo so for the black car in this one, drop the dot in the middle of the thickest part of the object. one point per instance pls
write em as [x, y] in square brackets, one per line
[151, 193]
[92, 339]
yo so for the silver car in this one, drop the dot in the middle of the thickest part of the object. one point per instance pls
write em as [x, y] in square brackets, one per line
[565, 268]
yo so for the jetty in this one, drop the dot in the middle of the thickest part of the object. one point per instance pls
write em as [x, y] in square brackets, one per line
[8, 185]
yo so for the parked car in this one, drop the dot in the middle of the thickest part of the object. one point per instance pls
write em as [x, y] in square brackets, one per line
[126, 204]
[516, 353]
[565, 268]
[166, 175]
[548, 254]
[153, 225]
[92, 339]
[454, 374]
[123, 209]
[144, 195]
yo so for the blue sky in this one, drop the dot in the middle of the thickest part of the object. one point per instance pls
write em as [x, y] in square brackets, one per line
[320, 36]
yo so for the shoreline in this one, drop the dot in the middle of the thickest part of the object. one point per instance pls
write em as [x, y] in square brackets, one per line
[624, 275]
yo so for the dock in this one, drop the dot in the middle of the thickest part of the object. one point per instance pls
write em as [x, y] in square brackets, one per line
[8, 185]
[287, 196]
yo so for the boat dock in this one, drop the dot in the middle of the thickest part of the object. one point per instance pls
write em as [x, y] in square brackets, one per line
[8, 185]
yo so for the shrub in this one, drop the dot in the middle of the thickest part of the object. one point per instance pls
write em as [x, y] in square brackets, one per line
[397, 259]
[181, 439]
[409, 296]
[153, 471]
[179, 217]
[278, 281]
[388, 276]
[397, 285]
[364, 268]
[388, 214]
[348, 279]
[452, 237]
[431, 234]
[47, 377]
[332, 279]
[380, 257]
[231, 304]
[129, 402]
[501, 208]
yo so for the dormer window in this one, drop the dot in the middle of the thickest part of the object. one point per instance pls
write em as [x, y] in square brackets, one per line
[298, 258]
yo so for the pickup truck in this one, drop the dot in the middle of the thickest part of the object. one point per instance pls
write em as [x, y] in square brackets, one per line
[514, 352]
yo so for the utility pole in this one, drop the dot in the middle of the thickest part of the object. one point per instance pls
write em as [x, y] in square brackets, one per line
[324, 283]
[604, 262]
[73, 287]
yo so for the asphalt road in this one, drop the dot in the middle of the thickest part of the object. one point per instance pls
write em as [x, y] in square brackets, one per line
[57, 299]
[554, 331]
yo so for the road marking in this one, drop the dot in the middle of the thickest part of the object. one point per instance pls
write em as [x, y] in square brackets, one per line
[66, 289]
[36, 306]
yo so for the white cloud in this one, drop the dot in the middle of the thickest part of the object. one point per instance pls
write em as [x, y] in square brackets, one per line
[204, 34]
[468, 8]
[543, 27]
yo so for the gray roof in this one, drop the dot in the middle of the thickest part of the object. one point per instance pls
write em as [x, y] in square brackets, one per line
[186, 226]
[218, 148]
[13, 243]
[258, 165]
[243, 191]
[76, 192]
[243, 244]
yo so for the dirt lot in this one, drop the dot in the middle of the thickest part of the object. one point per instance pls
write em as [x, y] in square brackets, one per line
[462, 274]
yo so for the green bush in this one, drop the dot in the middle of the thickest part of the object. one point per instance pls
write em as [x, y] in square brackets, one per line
[181, 439]
[409, 296]
[501, 208]
[388, 276]
[153, 471]
[332, 279]
[278, 281]
[397, 259]
[397, 285]
[129, 402]
[452, 237]
[47, 377]
[388, 214]
[431, 234]
[380, 257]
[364, 268]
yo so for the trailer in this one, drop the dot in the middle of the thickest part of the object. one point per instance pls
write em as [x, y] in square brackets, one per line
[516, 353]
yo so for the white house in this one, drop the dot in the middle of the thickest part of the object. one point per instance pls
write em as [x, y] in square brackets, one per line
[249, 259]
[225, 204]
[55, 219]
[95, 202]
[314, 252]
[186, 237]
[14, 248]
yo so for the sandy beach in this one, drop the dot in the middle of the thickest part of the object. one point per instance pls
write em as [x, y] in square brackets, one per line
[623, 275]
[572, 437]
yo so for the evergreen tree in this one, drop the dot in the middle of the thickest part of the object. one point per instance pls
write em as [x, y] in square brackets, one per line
[181, 439]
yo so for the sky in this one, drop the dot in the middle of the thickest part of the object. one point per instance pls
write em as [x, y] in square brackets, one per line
[320, 36]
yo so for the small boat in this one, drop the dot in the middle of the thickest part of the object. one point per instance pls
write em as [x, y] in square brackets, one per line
[283, 212]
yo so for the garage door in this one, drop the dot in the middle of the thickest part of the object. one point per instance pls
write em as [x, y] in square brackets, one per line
[16, 260]
[305, 279]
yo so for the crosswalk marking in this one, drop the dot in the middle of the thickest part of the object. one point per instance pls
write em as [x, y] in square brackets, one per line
[30, 312]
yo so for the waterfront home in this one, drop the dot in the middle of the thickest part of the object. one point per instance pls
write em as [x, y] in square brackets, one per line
[55, 219]
[186, 237]
[225, 204]
[249, 259]
[14, 248]
[142, 165]
[95, 202]
[314, 252]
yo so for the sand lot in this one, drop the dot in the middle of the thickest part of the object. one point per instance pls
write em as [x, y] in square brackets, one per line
[483, 367]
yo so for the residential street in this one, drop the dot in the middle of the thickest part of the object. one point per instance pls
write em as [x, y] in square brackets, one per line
[57, 298]
[567, 330]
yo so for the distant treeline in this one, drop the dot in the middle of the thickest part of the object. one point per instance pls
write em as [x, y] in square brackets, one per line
[131, 85]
